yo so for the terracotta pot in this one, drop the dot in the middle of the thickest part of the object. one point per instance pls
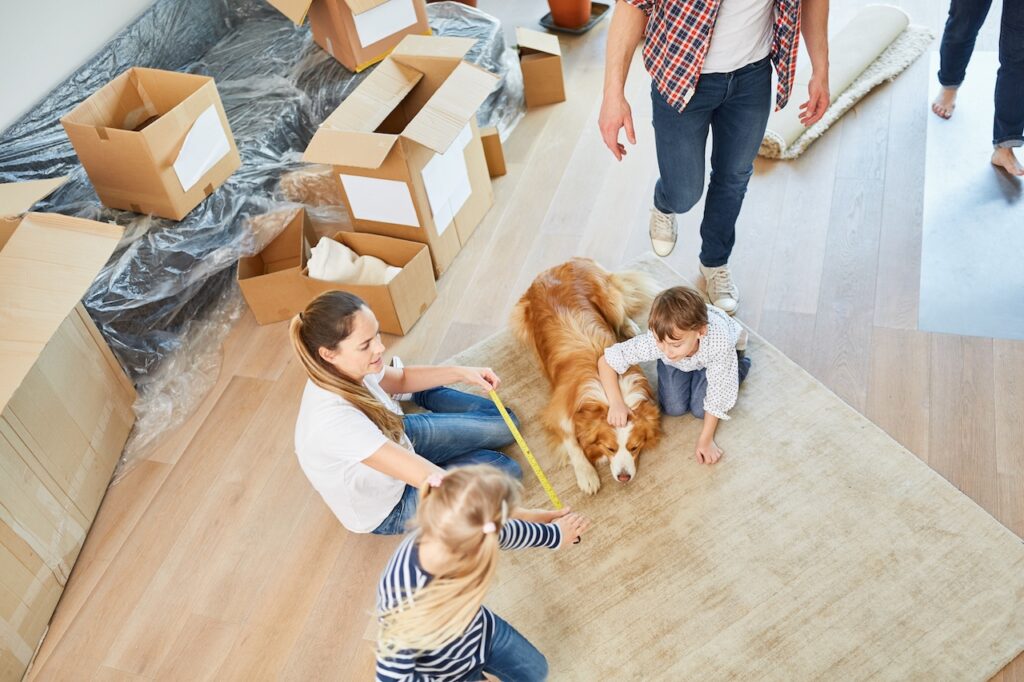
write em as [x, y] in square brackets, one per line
[570, 13]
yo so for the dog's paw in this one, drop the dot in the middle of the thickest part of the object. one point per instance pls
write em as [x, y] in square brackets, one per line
[588, 479]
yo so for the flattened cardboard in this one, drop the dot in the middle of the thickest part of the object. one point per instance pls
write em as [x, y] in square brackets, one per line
[383, 141]
[18, 197]
[493, 152]
[45, 268]
[277, 286]
[540, 58]
[129, 134]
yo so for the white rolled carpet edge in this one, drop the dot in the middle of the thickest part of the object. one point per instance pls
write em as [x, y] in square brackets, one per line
[876, 46]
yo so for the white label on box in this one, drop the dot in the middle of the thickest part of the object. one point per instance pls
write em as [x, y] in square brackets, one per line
[447, 181]
[383, 201]
[205, 144]
[384, 20]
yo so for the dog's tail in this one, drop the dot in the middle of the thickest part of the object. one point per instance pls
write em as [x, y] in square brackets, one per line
[520, 321]
[638, 289]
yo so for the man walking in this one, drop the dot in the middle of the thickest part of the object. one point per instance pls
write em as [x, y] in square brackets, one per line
[710, 63]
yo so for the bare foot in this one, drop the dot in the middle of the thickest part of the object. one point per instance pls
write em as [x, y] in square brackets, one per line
[1003, 157]
[945, 102]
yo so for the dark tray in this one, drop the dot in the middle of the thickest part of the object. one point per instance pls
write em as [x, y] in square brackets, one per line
[598, 11]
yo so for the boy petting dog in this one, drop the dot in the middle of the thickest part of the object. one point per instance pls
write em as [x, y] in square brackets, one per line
[701, 363]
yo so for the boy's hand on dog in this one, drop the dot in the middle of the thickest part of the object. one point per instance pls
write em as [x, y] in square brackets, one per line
[484, 377]
[708, 452]
[618, 415]
[573, 525]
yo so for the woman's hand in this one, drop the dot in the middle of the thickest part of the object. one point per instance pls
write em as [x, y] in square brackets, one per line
[484, 377]
[573, 525]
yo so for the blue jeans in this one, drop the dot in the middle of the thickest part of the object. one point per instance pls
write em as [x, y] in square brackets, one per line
[680, 392]
[735, 107]
[962, 26]
[460, 429]
[511, 658]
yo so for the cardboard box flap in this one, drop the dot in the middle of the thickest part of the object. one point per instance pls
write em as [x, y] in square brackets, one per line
[535, 40]
[46, 267]
[446, 113]
[18, 197]
[348, 148]
[375, 98]
[433, 46]
[295, 10]
[360, 6]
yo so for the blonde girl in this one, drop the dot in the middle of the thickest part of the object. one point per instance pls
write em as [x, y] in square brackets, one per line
[360, 452]
[432, 622]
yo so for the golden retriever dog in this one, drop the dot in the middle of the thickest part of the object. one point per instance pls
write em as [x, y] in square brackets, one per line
[569, 315]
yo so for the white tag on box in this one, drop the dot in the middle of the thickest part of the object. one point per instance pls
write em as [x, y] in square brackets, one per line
[205, 144]
[384, 20]
[446, 179]
[383, 201]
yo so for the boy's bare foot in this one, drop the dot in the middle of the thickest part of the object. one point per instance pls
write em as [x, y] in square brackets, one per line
[945, 102]
[1003, 157]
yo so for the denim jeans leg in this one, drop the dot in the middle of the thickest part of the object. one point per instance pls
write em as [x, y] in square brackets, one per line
[1008, 123]
[475, 419]
[511, 657]
[737, 128]
[450, 440]
[962, 26]
[397, 522]
[680, 140]
[673, 390]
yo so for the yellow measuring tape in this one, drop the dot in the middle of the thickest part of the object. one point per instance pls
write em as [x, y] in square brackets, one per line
[526, 451]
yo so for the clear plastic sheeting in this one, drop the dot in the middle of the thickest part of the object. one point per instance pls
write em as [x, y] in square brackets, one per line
[166, 299]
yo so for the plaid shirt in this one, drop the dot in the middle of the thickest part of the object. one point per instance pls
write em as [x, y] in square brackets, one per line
[677, 38]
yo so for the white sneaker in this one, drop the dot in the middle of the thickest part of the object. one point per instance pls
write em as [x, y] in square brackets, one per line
[722, 292]
[396, 362]
[663, 232]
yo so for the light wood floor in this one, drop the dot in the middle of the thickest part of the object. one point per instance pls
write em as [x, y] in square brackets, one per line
[216, 560]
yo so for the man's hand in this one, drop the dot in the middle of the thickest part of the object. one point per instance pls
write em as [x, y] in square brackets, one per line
[615, 115]
[817, 100]
[708, 451]
[618, 414]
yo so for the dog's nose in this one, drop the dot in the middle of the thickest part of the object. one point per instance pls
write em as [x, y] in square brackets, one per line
[624, 477]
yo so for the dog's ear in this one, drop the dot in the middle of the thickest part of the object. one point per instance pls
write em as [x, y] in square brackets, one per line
[590, 409]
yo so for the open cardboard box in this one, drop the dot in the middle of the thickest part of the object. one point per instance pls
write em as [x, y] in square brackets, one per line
[358, 33]
[277, 286]
[406, 148]
[540, 58]
[154, 141]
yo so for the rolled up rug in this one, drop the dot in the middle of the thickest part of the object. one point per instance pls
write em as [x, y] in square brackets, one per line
[874, 47]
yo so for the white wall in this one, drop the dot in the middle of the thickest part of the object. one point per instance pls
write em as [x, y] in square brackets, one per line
[42, 42]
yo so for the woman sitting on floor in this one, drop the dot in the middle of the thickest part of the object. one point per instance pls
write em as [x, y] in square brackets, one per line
[361, 453]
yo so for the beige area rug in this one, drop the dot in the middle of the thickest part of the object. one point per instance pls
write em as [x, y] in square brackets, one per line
[818, 548]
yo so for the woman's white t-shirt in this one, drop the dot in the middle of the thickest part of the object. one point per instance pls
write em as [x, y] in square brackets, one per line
[332, 438]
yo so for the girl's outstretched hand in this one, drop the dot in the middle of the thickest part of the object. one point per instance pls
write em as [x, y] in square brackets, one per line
[573, 525]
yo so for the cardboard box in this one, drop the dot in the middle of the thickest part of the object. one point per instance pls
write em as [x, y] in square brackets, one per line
[406, 149]
[65, 408]
[493, 152]
[358, 33]
[277, 286]
[154, 141]
[540, 57]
